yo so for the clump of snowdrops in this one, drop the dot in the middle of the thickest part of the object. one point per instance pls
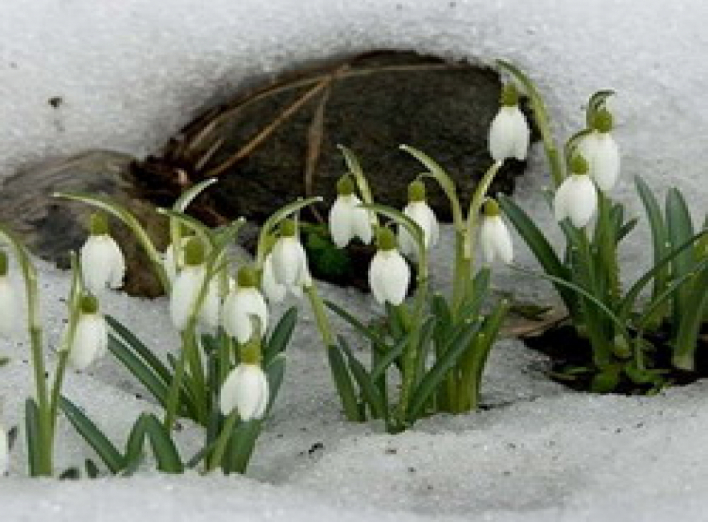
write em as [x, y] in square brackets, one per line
[226, 373]
[636, 343]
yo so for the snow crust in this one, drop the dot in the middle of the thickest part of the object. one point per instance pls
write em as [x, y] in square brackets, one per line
[131, 72]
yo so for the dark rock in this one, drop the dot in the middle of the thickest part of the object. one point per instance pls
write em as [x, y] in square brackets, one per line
[51, 227]
[371, 103]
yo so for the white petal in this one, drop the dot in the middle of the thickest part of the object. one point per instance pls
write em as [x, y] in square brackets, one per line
[406, 243]
[508, 135]
[8, 308]
[239, 307]
[288, 261]
[560, 199]
[90, 341]
[211, 307]
[361, 225]
[495, 240]
[389, 276]
[274, 291]
[602, 154]
[583, 200]
[102, 263]
[185, 291]
[340, 221]
[246, 389]
[4, 452]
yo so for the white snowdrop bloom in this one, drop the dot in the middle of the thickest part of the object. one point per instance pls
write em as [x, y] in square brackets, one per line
[576, 198]
[389, 274]
[494, 237]
[4, 452]
[9, 303]
[601, 152]
[246, 389]
[186, 289]
[418, 210]
[169, 262]
[241, 304]
[273, 290]
[347, 219]
[288, 258]
[102, 262]
[509, 132]
[90, 340]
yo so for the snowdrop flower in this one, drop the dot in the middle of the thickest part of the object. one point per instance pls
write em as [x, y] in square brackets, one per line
[601, 152]
[4, 452]
[273, 290]
[90, 336]
[389, 274]
[576, 198]
[243, 302]
[171, 264]
[494, 237]
[186, 289]
[8, 300]
[418, 210]
[289, 261]
[509, 132]
[246, 387]
[102, 262]
[347, 219]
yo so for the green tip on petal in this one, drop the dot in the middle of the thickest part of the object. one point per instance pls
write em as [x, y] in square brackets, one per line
[579, 165]
[194, 252]
[416, 191]
[602, 121]
[247, 277]
[251, 351]
[386, 239]
[98, 225]
[509, 95]
[3, 263]
[345, 185]
[288, 228]
[88, 304]
[491, 208]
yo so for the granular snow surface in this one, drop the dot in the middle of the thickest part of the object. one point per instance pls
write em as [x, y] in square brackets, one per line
[131, 73]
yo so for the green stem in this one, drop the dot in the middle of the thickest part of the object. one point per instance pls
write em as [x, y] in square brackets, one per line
[222, 441]
[175, 386]
[318, 309]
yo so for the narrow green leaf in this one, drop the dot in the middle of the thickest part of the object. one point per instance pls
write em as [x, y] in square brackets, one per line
[241, 446]
[131, 341]
[275, 371]
[134, 445]
[357, 325]
[103, 447]
[343, 383]
[144, 373]
[91, 469]
[34, 443]
[680, 230]
[163, 446]
[368, 390]
[279, 339]
[191, 193]
[690, 325]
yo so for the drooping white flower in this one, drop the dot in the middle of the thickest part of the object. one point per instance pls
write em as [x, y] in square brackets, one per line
[246, 389]
[494, 237]
[4, 452]
[102, 262]
[186, 289]
[576, 198]
[90, 340]
[418, 210]
[289, 260]
[347, 219]
[509, 132]
[389, 274]
[8, 300]
[601, 152]
[241, 304]
[273, 290]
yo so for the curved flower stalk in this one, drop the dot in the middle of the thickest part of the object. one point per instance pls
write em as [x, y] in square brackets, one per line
[509, 132]
[494, 237]
[89, 340]
[576, 198]
[389, 274]
[347, 219]
[102, 262]
[244, 302]
[600, 150]
[420, 212]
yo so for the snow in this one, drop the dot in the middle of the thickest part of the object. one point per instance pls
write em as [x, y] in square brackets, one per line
[131, 72]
